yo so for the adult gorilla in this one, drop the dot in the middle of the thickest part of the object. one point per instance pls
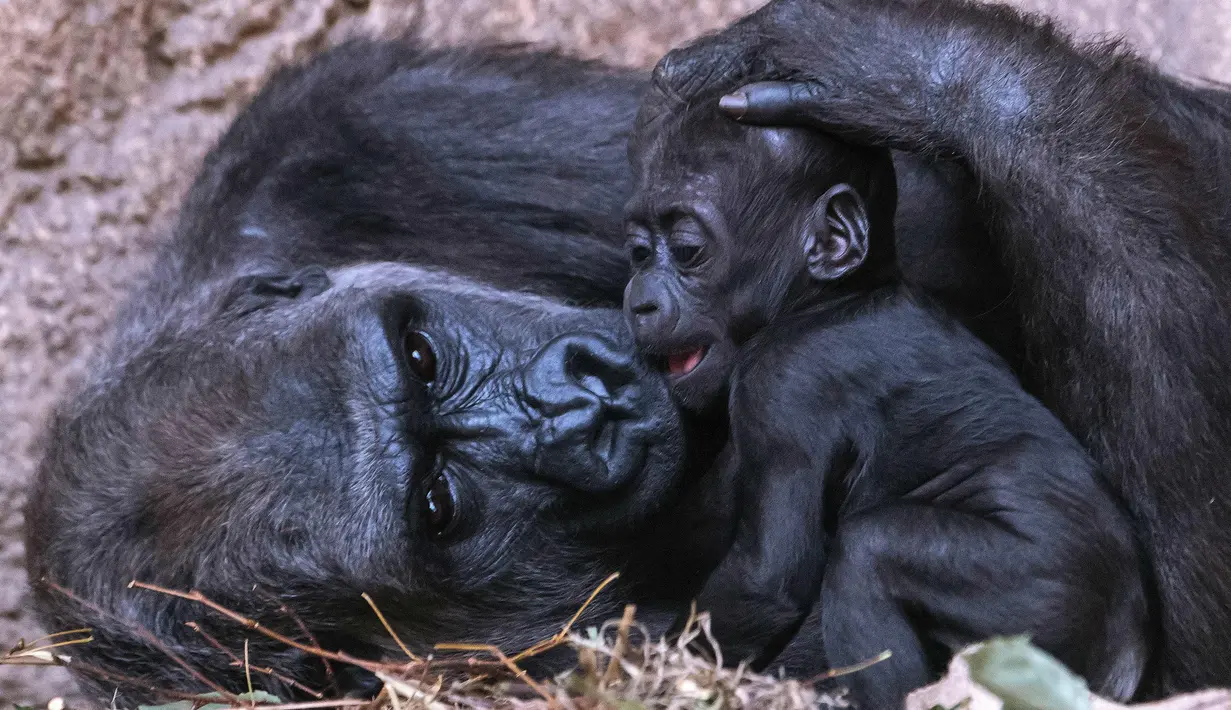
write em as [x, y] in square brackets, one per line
[359, 364]
[355, 368]
[1107, 184]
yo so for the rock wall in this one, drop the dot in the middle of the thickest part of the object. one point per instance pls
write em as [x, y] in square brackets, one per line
[108, 105]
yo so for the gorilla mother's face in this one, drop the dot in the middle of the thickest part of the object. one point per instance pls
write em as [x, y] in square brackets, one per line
[463, 391]
[474, 459]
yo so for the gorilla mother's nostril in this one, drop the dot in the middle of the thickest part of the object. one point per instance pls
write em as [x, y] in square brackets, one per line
[578, 376]
[599, 368]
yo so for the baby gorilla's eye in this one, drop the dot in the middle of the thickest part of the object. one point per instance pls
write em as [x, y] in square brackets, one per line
[686, 254]
[439, 506]
[639, 249]
[420, 355]
[687, 242]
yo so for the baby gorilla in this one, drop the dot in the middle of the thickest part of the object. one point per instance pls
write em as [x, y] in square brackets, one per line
[897, 487]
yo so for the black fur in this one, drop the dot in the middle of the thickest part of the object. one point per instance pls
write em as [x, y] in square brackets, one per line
[879, 446]
[509, 169]
[242, 433]
[1107, 185]
[257, 430]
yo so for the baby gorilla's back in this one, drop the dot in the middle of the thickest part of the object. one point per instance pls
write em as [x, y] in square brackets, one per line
[941, 502]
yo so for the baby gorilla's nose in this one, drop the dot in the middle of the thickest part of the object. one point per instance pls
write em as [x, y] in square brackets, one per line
[650, 309]
[584, 397]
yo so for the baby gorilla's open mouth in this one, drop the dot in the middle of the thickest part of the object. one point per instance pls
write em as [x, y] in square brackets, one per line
[696, 372]
[682, 362]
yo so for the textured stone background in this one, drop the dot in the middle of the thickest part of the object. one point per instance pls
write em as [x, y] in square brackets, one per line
[108, 105]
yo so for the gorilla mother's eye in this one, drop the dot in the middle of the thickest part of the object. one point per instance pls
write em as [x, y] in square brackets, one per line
[420, 356]
[439, 506]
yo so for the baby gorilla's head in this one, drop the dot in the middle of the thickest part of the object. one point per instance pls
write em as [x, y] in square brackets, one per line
[730, 226]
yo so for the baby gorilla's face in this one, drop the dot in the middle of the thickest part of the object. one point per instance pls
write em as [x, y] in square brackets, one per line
[714, 247]
[676, 304]
[731, 226]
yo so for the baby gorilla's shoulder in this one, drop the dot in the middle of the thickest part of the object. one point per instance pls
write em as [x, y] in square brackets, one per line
[810, 360]
[866, 346]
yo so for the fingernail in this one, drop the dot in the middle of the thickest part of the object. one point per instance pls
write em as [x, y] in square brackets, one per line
[734, 104]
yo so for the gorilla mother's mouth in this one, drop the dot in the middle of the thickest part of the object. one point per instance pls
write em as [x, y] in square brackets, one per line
[682, 362]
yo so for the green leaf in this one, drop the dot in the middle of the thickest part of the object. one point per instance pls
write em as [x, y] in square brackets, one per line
[260, 696]
[214, 706]
[1025, 677]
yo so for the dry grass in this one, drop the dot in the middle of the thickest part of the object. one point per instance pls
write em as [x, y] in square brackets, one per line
[618, 669]
[620, 666]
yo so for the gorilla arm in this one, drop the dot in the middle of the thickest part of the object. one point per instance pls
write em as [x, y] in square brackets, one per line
[1116, 267]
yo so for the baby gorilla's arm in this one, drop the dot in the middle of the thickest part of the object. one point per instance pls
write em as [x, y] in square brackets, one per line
[784, 449]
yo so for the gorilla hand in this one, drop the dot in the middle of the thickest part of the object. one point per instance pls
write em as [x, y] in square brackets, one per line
[711, 63]
[937, 76]
[776, 42]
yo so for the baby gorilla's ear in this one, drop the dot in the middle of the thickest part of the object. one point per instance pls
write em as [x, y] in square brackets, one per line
[835, 234]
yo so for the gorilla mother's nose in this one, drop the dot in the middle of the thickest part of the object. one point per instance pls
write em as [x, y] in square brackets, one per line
[584, 397]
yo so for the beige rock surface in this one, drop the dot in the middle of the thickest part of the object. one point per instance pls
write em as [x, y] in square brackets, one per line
[108, 105]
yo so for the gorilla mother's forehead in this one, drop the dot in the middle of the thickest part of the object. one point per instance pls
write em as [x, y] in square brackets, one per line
[392, 276]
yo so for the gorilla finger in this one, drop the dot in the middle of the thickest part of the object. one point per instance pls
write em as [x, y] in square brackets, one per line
[777, 103]
[715, 62]
[688, 71]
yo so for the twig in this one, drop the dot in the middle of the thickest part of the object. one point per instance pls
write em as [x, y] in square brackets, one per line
[236, 661]
[420, 696]
[393, 697]
[562, 636]
[509, 663]
[38, 652]
[123, 680]
[847, 670]
[58, 634]
[303, 628]
[558, 639]
[307, 705]
[150, 639]
[247, 668]
[621, 646]
[339, 656]
[388, 628]
[198, 597]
